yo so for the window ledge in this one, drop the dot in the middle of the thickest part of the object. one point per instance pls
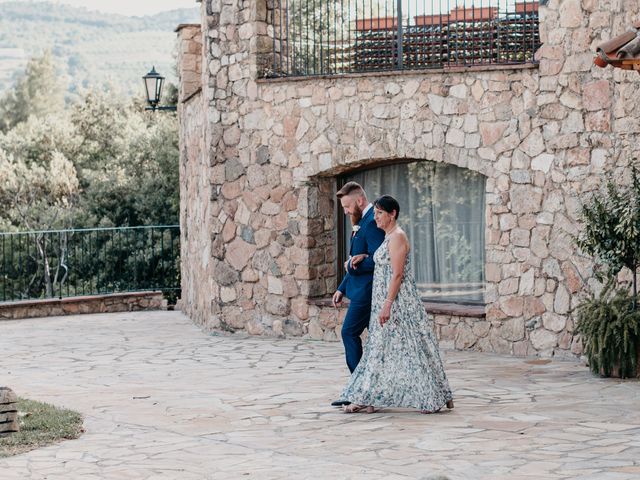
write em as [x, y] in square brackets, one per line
[456, 309]
[408, 72]
[435, 308]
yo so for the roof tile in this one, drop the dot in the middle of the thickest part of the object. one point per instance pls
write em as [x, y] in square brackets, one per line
[622, 51]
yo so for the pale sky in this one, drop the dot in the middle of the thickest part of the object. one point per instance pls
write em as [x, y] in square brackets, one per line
[125, 7]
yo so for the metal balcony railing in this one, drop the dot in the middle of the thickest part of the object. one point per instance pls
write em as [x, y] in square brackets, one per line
[65, 263]
[327, 37]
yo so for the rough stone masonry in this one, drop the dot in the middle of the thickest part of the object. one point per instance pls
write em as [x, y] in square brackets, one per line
[259, 160]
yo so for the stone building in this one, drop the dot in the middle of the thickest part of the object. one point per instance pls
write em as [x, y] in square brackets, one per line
[261, 159]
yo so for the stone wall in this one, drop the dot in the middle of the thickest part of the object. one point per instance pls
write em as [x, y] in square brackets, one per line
[52, 307]
[196, 194]
[190, 58]
[259, 239]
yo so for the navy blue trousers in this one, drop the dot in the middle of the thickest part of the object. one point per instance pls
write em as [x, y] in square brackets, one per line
[356, 320]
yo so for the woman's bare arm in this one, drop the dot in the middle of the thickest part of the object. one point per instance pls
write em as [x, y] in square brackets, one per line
[398, 250]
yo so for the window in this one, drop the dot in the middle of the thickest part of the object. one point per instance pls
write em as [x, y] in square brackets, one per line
[442, 209]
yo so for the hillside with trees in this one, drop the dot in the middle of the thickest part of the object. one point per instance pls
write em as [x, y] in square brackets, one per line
[99, 161]
[89, 49]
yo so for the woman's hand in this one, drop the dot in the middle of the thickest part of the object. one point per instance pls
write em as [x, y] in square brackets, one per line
[385, 313]
[356, 259]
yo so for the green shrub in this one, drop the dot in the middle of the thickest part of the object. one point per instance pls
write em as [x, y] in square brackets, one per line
[610, 328]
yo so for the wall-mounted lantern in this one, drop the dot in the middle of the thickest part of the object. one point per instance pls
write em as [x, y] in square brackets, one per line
[153, 83]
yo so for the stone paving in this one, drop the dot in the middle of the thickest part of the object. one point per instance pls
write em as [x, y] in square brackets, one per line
[163, 400]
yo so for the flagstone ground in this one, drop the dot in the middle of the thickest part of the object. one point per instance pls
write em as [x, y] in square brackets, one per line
[164, 400]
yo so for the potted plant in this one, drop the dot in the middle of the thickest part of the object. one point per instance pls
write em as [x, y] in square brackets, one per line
[610, 322]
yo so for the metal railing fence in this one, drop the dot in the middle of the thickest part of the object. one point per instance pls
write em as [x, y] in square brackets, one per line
[65, 263]
[327, 37]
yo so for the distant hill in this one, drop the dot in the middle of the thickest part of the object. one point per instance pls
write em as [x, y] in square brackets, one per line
[91, 48]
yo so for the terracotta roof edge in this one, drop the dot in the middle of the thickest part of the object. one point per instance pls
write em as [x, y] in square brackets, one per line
[622, 47]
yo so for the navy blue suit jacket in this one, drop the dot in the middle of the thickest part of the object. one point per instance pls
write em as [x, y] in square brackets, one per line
[356, 284]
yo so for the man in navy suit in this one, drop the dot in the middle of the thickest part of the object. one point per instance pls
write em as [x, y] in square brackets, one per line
[358, 280]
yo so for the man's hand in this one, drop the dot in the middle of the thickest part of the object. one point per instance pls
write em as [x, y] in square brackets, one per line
[346, 265]
[337, 298]
[356, 259]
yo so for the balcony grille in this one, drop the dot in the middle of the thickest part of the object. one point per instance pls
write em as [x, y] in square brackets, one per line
[320, 37]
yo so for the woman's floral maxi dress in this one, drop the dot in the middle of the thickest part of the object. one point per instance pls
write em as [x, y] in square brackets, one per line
[401, 364]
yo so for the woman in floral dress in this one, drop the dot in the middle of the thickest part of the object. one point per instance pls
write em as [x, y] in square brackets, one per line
[401, 365]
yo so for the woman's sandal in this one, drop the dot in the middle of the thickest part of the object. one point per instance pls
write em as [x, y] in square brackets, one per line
[449, 406]
[353, 408]
[427, 412]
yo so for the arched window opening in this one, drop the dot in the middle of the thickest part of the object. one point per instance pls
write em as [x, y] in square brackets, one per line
[442, 209]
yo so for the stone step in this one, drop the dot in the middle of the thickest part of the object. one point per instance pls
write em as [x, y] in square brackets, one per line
[8, 411]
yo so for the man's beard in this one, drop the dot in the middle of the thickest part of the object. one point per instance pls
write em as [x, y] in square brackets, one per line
[356, 216]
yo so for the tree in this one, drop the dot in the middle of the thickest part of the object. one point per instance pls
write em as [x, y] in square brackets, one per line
[611, 232]
[38, 195]
[125, 162]
[610, 322]
[128, 163]
[37, 93]
[33, 140]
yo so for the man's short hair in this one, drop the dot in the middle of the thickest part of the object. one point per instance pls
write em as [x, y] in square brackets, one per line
[350, 188]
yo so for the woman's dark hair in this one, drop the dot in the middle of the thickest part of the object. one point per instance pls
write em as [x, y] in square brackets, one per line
[388, 204]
